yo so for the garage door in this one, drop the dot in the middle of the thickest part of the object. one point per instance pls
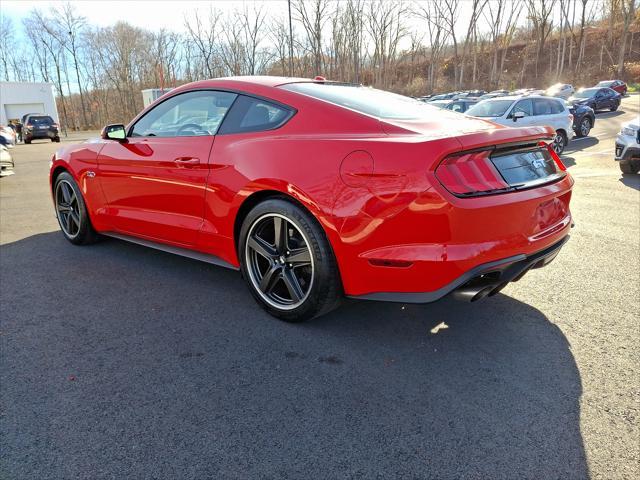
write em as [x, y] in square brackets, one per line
[15, 111]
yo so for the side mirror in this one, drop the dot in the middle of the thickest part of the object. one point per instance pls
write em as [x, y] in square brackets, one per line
[114, 132]
[518, 115]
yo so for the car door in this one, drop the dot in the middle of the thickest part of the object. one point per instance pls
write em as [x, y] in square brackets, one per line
[543, 113]
[526, 106]
[154, 180]
[601, 100]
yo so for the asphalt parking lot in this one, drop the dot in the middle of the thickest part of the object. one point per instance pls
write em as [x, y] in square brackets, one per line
[119, 361]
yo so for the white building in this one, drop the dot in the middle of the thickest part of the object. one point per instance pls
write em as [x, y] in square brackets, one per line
[20, 98]
[150, 95]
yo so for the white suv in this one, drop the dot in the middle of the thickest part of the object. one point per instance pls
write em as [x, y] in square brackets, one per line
[523, 111]
[628, 146]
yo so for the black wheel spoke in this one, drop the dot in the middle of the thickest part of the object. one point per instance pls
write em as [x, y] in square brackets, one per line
[68, 222]
[270, 279]
[293, 285]
[66, 195]
[262, 247]
[76, 219]
[280, 228]
[299, 257]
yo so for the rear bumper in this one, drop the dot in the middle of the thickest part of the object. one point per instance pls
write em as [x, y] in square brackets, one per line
[484, 280]
[36, 134]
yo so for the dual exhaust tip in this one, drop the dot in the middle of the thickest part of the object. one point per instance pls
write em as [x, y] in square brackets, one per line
[473, 293]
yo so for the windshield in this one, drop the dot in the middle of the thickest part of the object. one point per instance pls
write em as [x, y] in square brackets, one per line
[605, 83]
[370, 101]
[586, 93]
[41, 120]
[490, 108]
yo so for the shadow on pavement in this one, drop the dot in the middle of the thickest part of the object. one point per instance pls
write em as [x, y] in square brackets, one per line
[602, 114]
[578, 144]
[568, 161]
[139, 364]
[631, 180]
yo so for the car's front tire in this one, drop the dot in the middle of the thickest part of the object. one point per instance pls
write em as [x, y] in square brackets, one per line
[288, 262]
[560, 142]
[631, 166]
[71, 211]
[585, 127]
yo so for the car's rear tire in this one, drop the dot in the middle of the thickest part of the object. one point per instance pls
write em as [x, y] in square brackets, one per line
[27, 141]
[288, 262]
[585, 127]
[560, 142]
[71, 211]
[631, 166]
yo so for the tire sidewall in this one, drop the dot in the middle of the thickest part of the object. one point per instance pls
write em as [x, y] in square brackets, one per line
[326, 284]
[586, 120]
[564, 142]
[86, 233]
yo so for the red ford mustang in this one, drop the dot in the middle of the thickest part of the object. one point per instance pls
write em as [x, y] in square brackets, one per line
[316, 190]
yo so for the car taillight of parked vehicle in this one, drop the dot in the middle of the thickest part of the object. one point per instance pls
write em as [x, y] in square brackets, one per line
[55, 125]
[571, 118]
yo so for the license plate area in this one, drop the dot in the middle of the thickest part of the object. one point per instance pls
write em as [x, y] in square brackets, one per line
[525, 168]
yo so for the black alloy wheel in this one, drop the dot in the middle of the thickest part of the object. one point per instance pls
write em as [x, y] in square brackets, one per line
[71, 211]
[288, 262]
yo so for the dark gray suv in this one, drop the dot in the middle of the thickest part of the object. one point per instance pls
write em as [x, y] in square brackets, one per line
[39, 126]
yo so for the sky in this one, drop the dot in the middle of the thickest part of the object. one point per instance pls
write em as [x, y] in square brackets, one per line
[150, 14]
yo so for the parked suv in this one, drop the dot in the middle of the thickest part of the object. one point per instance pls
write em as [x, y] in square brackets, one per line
[584, 118]
[530, 110]
[628, 146]
[39, 126]
[597, 98]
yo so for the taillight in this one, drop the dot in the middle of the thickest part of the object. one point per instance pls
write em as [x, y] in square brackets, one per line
[55, 125]
[29, 125]
[571, 118]
[554, 155]
[470, 173]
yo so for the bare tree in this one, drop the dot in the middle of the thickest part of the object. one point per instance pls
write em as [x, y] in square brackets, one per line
[67, 28]
[438, 35]
[313, 15]
[628, 10]
[205, 39]
[540, 15]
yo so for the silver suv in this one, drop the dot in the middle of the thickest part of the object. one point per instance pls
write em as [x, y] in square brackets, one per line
[628, 146]
[529, 110]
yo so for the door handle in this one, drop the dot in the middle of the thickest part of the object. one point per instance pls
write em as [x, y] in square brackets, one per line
[184, 161]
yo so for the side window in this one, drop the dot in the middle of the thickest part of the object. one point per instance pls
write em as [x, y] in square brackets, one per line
[255, 115]
[457, 107]
[542, 107]
[188, 114]
[556, 107]
[523, 106]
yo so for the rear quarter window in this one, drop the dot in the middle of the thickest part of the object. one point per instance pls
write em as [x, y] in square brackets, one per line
[250, 114]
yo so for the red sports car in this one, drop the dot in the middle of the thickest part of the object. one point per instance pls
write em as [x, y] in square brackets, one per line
[317, 189]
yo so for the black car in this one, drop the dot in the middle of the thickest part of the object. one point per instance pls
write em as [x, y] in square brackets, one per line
[596, 98]
[584, 119]
[39, 126]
